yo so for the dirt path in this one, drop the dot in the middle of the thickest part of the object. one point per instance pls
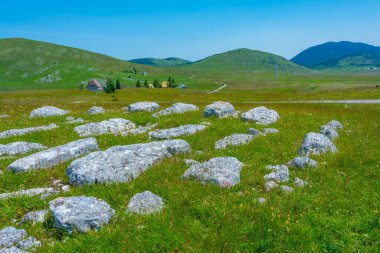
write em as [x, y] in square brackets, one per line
[218, 89]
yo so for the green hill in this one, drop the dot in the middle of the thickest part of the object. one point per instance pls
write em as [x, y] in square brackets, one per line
[171, 61]
[30, 64]
[243, 61]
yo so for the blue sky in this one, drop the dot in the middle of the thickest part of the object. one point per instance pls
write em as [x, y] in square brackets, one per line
[191, 29]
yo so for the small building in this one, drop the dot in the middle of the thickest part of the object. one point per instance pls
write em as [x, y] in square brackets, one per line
[150, 86]
[165, 84]
[94, 85]
[182, 86]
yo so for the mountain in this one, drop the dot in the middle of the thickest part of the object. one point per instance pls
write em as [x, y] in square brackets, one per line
[171, 61]
[33, 64]
[244, 60]
[338, 54]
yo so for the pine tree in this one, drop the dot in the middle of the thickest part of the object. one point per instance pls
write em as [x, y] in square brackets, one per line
[135, 71]
[146, 84]
[156, 83]
[110, 87]
[118, 85]
[138, 85]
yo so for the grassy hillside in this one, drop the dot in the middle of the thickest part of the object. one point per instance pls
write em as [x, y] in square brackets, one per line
[334, 54]
[31, 64]
[171, 61]
[243, 61]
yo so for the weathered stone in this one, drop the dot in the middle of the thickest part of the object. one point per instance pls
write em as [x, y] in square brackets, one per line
[72, 120]
[80, 213]
[177, 108]
[261, 115]
[299, 182]
[54, 156]
[269, 185]
[223, 171]
[270, 131]
[16, 148]
[286, 189]
[145, 203]
[122, 163]
[220, 110]
[316, 144]
[303, 162]
[329, 132]
[29, 192]
[47, 111]
[261, 200]
[138, 130]
[280, 173]
[28, 243]
[254, 132]
[176, 131]
[143, 107]
[35, 216]
[190, 162]
[234, 140]
[95, 110]
[111, 126]
[334, 124]
[17, 132]
[10, 236]
[12, 249]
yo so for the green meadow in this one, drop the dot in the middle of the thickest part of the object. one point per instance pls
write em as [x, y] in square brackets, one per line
[338, 211]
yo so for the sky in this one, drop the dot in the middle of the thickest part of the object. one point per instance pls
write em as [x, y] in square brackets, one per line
[191, 29]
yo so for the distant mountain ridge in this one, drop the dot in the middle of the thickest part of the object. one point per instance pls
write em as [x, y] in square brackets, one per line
[156, 62]
[338, 55]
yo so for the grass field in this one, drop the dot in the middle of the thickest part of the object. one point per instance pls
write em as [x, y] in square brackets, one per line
[337, 212]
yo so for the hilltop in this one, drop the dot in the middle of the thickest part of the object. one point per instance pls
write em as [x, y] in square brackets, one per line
[245, 60]
[341, 55]
[34, 64]
[156, 62]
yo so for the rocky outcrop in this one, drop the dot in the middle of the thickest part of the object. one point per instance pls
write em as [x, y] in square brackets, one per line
[143, 107]
[234, 140]
[9, 236]
[316, 144]
[122, 163]
[80, 213]
[261, 115]
[17, 148]
[54, 156]
[95, 110]
[303, 162]
[177, 108]
[17, 132]
[177, 131]
[47, 111]
[111, 126]
[29, 192]
[280, 173]
[220, 110]
[34, 216]
[222, 171]
[145, 203]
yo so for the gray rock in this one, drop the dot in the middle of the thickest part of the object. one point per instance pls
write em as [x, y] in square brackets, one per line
[23, 131]
[12, 249]
[80, 213]
[95, 110]
[35, 216]
[10, 236]
[190, 162]
[4, 116]
[65, 188]
[177, 131]
[222, 171]
[254, 132]
[143, 107]
[261, 200]
[139, 130]
[280, 173]
[122, 163]
[29, 192]
[269, 185]
[16, 148]
[316, 144]
[220, 110]
[270, 131]
[28, 243]
[261, 115]
[334, 124]
[303, 162]
[54, 156]
[111, 126]
[286, 189]
[47, 111]
[299, 182]
[145, 203]
[72, 120]
[329, 132]
[234, 140]
[177, 108]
